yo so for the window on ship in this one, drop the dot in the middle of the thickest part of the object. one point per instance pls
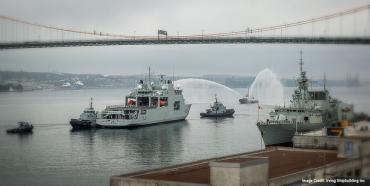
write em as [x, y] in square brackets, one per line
[318, 95]
[143, 101]
[154, 101]
[176, 105]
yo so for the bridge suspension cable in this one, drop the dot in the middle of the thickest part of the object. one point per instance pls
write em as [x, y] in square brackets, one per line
[292, 24]
[208, 35]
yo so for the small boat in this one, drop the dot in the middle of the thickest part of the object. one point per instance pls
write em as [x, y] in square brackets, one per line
[23, 128]
[87, 119]
[247, 99]
[217, 110]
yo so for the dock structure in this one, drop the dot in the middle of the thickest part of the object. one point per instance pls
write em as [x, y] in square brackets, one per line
[271, 166]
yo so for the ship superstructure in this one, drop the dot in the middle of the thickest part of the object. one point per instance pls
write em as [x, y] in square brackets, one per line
[309, 110]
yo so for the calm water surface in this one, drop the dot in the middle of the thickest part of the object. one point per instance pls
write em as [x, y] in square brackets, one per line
[53, 155]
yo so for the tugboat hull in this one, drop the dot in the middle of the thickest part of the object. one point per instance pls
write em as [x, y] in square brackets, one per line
[24, 128]
[247, 101]
[19, 131]
[228, 113]
[81, 124]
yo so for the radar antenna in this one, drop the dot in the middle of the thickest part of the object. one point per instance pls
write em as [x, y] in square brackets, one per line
[301, 61]
[324, 81]
[91, 99]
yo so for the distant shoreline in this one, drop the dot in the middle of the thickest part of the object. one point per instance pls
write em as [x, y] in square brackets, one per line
[31, 81]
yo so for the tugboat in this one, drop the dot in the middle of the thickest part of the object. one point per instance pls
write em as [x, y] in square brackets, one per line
[87, 119]
[309, 110]
[150, 103]
[23, 128]
[218, 110]
[247, 99]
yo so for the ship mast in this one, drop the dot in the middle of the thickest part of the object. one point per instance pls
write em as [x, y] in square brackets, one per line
[301, 95]
[301, 62]
[149, 76]
[303, 79]
[91, 102]
[324, 81]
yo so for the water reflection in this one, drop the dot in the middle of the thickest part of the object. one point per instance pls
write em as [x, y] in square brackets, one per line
[218, 119]
[53, 153]
[157, 144]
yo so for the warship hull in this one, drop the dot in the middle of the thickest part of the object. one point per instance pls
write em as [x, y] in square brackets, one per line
[152, 117]
[275, 134]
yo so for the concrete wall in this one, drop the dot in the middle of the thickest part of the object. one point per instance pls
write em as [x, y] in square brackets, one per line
[221, 176]
[317, 142]
[124, 181]
[248, 173]
[365, 159]
[255, 174]
[331, 170]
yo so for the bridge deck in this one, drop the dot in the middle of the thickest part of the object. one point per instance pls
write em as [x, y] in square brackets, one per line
[76, 43]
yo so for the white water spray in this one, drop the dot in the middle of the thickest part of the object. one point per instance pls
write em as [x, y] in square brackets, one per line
[267, 88]
[203, 91]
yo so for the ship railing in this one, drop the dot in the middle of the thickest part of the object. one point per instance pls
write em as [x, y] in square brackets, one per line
[130, 106]
[269, 122]
[115, 106]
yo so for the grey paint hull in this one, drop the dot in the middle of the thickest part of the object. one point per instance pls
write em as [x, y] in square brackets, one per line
[153, 116]
[273, 134]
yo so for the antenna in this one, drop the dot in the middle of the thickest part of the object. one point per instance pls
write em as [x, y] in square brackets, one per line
[324, 81]
[149, 76]
[91, 99]
[173, 75]
[301, 61]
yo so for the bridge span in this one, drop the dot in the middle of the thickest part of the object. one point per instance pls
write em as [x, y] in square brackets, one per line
[328, 29]
[175, 41]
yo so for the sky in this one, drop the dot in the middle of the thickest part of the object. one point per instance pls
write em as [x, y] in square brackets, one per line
[188, 17]
[184, 16]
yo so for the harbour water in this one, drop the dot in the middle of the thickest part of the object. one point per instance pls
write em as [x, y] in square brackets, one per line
[54, 155]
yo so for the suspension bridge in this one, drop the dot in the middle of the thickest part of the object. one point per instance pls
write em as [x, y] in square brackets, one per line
[336, 28]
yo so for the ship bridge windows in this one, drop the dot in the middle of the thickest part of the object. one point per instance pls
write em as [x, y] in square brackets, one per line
[317, 95]
[143, 101]
[154, 101]
[294, 110]
[116, 116]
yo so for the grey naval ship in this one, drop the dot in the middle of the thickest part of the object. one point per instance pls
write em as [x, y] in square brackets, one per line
[309, 110]
[147, 104]
[218, 110]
